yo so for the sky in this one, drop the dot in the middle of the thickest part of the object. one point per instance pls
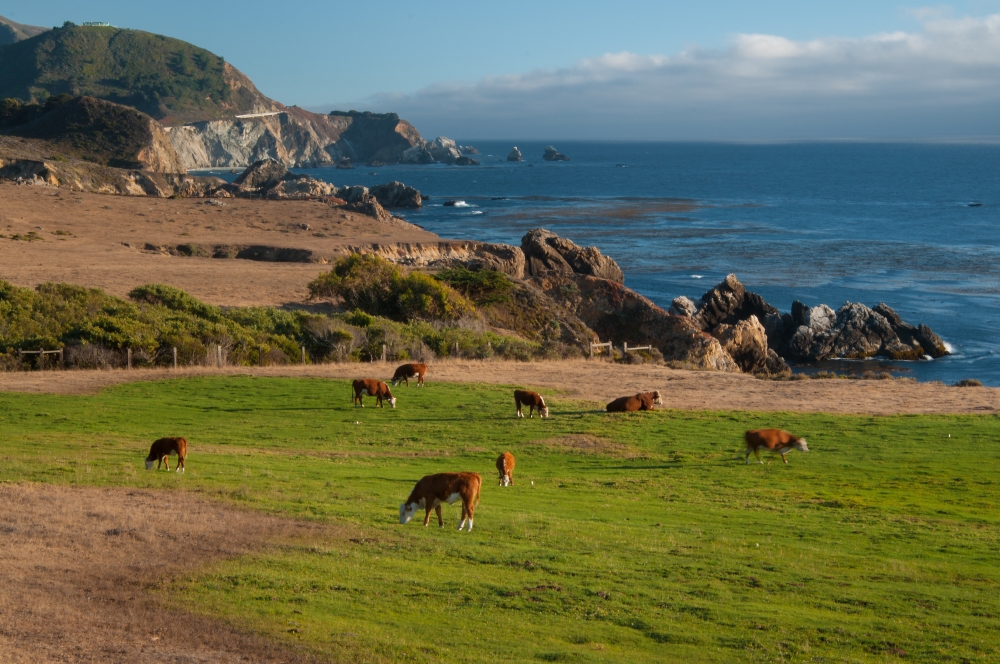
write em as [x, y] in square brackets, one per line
[707, 70]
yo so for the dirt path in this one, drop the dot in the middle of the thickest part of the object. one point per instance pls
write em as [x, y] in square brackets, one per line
[79, 562]
[595, 381]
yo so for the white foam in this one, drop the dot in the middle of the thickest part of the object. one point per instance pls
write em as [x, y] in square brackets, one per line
[697, 276]
[476, 212]
[948, 347]
[461, 204]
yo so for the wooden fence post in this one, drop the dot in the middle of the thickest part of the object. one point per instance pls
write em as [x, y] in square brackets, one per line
[383, 352]
[218, 355]
[624, 349]
[20, 360]
[260, 353]
[456, 349]
[62, 358]
[41, 360]
[175, 357]
[303, 354]
[129, 359]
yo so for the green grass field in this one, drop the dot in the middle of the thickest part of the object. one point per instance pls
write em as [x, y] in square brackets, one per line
[638, 537]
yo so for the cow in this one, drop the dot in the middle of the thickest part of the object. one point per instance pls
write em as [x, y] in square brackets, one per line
[162, 449]
[641, 401]
[774, 440]
[407, 371]
[433, 490]
[533, 400]
[373, 388]
[505, 464]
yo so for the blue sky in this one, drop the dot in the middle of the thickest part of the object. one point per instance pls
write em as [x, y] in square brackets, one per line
[658, 70]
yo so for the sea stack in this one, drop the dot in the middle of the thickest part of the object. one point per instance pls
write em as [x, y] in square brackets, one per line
[551, 154]
[515, 155]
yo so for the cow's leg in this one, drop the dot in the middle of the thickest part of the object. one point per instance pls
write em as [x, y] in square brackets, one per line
[472, 509]
[510, 477]
[518, 404]
[756, 453]
[427, 517]
[461, 523]
[166, 461]
[531, 411]
[440, 520]
[748, 456]
[783, 458]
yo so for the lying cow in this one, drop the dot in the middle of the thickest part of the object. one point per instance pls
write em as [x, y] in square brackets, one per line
[373, 388]
[433, 490]
[641, 401]
[505, 465]
[533, 400]
[162, 449]
[408, 371]
[775, 441]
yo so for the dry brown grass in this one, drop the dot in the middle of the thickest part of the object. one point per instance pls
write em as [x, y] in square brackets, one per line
[587, 444]
[79, 565]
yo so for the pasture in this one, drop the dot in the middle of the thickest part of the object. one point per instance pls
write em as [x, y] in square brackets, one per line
[627, 537]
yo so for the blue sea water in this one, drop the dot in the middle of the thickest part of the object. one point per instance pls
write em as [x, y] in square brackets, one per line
[816, 222]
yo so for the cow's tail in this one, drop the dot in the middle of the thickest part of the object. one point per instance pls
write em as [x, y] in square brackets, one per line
[478, 485]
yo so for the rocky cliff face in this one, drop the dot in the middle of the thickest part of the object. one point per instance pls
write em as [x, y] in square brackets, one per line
[296, 138]
[545, 252]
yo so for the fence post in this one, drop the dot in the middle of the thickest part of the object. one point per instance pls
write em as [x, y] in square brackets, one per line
[41, 359]
[62, 358]
[383, 352]
[260, 354]
[20, 360]
[456, 349]
[624, 349]
[303, 354]
[218, 355]
[591, 350]
[175, 357]
[129, 360]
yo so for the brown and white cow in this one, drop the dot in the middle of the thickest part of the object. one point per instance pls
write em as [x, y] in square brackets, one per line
[505, 465]
[162, 449]
[407, 371]
[533, 400]
[641, 401]
[775, 441]
[373, 388]
[434, 490]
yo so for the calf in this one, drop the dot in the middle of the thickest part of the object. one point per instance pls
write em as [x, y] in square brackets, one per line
[433, 490]
[505, 464]
[533, 400]
[774, 440]
[162, 449]
[373, 388]
[641, 401]
[408, 371]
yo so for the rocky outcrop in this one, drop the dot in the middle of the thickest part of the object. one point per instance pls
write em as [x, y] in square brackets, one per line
[683, 306]
[545, 252]
[729, 302]
[396, 195]
[295, 137]
[551, 154]
[466, 161]
[515, 155]
[418, 154]
[439, 255]
[746, 343]
[467, 149]
[270, 179]
[367, 205]
[444, 150]
[621, 315]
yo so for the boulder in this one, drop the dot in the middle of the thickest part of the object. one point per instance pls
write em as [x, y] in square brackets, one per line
[467, 149]
[304, 187]
[551, 154]
[746, 343]
[912, 338]
[819, 318]
[367, 205]
[544, 251]
[621, 315]
[443, 149]
[418, 154]
[396, 195]
[261, 174]
[502, 258]
[729, 302]
[683, 306]
[345, 164]
[515, 155]
[354, 193]
[466, 161]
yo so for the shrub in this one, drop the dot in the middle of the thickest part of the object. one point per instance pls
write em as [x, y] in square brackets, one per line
[968, 382]
[421, 296]
[482, 286]
[363, 281]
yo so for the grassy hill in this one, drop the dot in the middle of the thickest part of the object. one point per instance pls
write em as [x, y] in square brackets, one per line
[166, 78]
[11, 32]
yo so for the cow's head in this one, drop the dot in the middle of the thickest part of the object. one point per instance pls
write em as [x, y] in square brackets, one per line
[406, 512]
[392, 401]
[656, 398]
[545, 409]
[800, 445]
[396, 381]
[149, 463]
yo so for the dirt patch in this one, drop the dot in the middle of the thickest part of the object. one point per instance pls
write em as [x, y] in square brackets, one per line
[586, 444]
[79, 564]
[591, 380]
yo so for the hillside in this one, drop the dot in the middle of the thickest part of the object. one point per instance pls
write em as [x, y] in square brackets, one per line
[11, 32]
[168, 79]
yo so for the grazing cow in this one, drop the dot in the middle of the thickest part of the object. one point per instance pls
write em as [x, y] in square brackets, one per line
[775, 441]
[505, 464]
[533, 400]
[641, 401]
[162, 449]
[433, 490]
[408, 371]
[373, 388]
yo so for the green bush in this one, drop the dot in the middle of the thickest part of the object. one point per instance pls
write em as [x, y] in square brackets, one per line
[481, 286]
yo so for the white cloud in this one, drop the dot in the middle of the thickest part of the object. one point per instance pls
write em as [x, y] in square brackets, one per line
[943, 80]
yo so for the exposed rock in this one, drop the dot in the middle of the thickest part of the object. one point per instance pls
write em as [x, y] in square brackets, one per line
[366, 204]
[466, 161]
[443, 149]
[515, 155]
[270, 179]
[439, 255]
[301, 187]
[551, 154]
[683, 306]
[622, 315]
[467, 149]
[819, 319]
[418, 154]
[353, 194]
[545, 251]
[729, 302]
[746, 343]
[396, 195]
[261, 174]
[913, 339]
[344, 163]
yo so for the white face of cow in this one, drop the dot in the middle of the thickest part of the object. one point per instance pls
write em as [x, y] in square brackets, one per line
[406, 512]
[392, 402]
[149, 463]
[656, 398]
[800, 445]
[545, 410]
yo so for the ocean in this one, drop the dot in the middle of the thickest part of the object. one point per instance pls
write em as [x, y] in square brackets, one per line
[912, 224]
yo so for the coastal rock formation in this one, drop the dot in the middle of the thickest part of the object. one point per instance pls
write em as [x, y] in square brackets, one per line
[366, 204]
[619, 314]
[544, 251]
[551, 154]
[261, 174]
[729, 302]
[515, 155]
[418, 154]
[443, 149]
[746, 343]
[683, 306]
[503, 258]
[467, 149]
[396, 195]
[466, 161]
[268, 178]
